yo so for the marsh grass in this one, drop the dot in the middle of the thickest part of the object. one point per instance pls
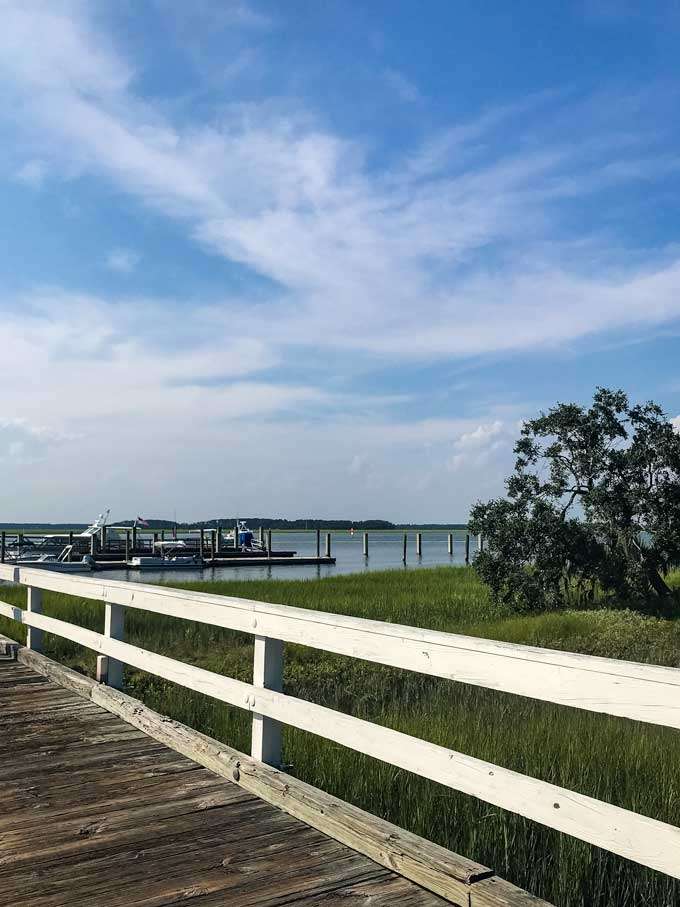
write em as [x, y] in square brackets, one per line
[633, 765]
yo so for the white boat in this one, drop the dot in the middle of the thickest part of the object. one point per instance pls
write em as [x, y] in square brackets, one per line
[52, 562]
[169, 562]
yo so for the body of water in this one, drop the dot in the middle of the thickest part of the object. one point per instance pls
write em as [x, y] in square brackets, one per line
[385, 551]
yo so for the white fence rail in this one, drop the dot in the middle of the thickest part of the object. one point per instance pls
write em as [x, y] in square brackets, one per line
[643, 692]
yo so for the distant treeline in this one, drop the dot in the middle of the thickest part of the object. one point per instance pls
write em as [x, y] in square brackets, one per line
[253, 522]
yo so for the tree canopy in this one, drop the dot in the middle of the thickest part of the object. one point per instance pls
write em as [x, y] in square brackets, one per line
[592, 507]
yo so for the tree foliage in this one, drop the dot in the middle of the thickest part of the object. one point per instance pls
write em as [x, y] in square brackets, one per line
[592, 507]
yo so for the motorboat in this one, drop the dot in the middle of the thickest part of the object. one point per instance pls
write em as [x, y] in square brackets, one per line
[246, 538]
[166, 562]
[53, 563]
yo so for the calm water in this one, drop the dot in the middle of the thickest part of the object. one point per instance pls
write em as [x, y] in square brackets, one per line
[384, 553]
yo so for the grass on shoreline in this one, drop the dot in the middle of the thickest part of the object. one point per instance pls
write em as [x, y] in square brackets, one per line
[623, 762]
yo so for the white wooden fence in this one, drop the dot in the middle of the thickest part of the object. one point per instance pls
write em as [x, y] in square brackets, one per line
[641, 692]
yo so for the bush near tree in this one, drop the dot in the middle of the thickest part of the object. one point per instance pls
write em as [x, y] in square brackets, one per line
[592, 507]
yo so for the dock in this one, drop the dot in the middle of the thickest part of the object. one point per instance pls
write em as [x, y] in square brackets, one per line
[96, 812]
[135, 548]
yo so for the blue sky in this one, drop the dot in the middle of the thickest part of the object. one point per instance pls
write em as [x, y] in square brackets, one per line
[322, 258]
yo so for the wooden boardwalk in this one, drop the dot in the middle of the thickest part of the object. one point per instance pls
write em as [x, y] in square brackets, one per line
[95, 812]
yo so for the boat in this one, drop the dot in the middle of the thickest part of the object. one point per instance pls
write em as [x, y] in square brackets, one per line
[246, 538]
[167, 562]
[52, 562]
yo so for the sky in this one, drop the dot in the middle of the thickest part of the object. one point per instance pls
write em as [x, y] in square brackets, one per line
[322, 258]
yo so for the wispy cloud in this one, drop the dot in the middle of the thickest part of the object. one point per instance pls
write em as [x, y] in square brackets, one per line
[404, 88]
[32, 173]
[355, 253]
[123, 260]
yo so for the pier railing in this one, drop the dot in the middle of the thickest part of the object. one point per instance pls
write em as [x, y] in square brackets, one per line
[639, 692]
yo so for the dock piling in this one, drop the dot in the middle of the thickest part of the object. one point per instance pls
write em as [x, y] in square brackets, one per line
[2, 547]
[403, 559]
[134, 537]
[365, 544]
[236, 536]
[450, 543]
[328, 544]
[419, 544]
[269, 543]
[201, 544]
[127, 546]
[218, 539]
[467, 548]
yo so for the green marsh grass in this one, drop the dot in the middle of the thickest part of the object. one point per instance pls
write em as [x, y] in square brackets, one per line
[633, 765]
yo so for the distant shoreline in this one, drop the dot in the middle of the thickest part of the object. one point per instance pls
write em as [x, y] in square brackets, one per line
[276, 524]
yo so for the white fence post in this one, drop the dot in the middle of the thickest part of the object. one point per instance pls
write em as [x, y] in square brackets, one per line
[110, 670]
[34, 637]
[267, 674]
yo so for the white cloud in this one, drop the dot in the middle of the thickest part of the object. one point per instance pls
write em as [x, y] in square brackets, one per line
[24, 443]
[487, 444]
[404, 88]
[123, 260]
[32, 173]
[354, 252]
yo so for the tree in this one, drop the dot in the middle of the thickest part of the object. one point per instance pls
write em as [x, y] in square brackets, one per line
[592, 507]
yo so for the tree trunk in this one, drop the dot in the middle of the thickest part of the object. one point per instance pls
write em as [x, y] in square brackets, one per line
[658, 583]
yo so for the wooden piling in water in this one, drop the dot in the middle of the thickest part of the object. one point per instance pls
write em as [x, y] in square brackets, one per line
[328, 544]
[365, 544]
[403, 558]
[93, 545]
[127, 546]
[467, 548]
[269, 543]
[261, 536]
[2, 547]
[236, 536]
[218, 539]
[450, 545]
[318, 543]
[134, 537]
[201, 543]
[419, 544]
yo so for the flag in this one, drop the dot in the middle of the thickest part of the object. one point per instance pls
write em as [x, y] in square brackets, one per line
[141, 521]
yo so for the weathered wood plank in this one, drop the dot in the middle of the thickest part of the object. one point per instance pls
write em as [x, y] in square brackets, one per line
[431, 866]
[163, 840]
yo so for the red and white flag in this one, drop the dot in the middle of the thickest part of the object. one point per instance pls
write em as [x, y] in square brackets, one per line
[142, 521]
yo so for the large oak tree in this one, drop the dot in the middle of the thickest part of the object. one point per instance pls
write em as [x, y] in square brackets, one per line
[592, 507]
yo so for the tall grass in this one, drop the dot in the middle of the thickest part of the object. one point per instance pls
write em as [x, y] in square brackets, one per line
[632, 765]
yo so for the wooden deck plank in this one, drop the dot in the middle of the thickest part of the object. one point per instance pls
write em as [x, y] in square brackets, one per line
[94, 811]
